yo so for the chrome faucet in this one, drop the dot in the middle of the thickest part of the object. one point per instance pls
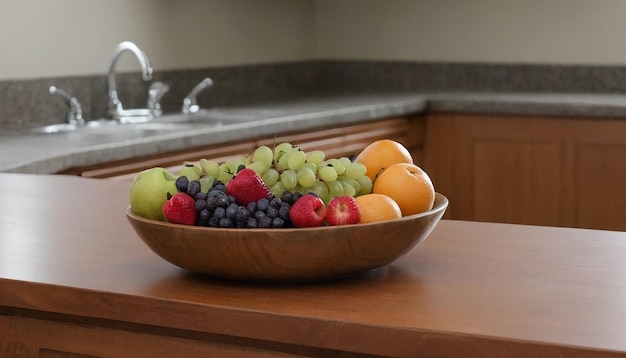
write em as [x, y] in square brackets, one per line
[155, 93]
[75, 113]
[190, 103]
[116, 110]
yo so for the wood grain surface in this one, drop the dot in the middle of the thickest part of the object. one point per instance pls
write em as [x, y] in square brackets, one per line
[68, 253]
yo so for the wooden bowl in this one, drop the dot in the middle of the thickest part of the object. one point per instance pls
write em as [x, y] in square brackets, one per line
[289, 254]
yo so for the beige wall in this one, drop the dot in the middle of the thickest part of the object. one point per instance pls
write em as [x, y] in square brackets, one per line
[505, 31]
[44, 38]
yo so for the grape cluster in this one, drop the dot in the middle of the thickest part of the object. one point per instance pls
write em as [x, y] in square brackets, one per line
[287, 168]
[218, 209]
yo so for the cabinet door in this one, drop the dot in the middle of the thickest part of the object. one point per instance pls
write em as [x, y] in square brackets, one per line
[22, 337]
[530, 170]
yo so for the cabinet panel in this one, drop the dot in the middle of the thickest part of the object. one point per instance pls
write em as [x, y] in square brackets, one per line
[601, 179]
[35, 338]
[504, 184]
[530, 170]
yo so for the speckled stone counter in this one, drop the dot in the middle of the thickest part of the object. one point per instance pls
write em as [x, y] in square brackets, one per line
[50, 153]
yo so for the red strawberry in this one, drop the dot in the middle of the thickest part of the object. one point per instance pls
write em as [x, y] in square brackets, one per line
[247, 186]
[343, 210]
[308, 211]
[180, 209]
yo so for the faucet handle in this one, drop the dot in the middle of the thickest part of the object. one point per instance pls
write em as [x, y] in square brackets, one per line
[190, 104]
[155, 93]
[75, 114]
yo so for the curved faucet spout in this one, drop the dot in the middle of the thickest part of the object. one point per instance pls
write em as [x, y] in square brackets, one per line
[115, 105]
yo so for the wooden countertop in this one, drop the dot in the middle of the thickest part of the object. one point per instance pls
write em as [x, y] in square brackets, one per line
[470, 290]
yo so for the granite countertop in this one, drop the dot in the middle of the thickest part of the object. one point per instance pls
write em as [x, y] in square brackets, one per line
[25, 152]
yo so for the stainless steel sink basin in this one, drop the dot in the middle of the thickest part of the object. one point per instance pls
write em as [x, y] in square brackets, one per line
[54, 128]
[219, 117]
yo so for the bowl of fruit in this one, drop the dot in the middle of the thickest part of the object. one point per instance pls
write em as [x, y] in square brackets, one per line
[235, 221]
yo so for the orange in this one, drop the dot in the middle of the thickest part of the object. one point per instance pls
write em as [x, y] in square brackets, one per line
[381, 154]
[377, 207]
[408, 185]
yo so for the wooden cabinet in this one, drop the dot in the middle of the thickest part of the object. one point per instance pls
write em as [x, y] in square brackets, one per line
[530, 170]
[335, 141]
[55, 337]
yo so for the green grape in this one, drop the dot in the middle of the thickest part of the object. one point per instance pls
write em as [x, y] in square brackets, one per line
[210, 167]
[289, 179]
[336, 163]
[259, 167]
[353, 183]
[345, 161]
[306, 177]
[296, 160]
[281, 149]
[270, 177]
[190, 170]
[335, 188]
[348, 189]
[311, 166]
[366, 185]
[355, 170]
[327, 173]
[224, 174]
[283, 162]
[234, 164]
[263, 154]
[206, 182]
[278, 189]
[315, 156]
[298, 189]
[321, 190]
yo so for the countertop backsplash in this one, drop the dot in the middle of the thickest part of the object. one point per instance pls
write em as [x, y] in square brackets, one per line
[27, 103]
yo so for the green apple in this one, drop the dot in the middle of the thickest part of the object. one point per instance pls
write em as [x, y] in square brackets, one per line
[148, 192]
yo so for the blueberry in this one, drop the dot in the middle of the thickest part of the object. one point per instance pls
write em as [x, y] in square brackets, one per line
[200, 204]
[258, 215]
[262, 204]
[283, 212]
[231, 211]
[181, 184]
[193, 188]
[252, 223]
[278, 222]
[225, 222]
[272, 212]
[287, 197]
[265, 222]
[275, 202]
[219, 212]
[243, 213]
